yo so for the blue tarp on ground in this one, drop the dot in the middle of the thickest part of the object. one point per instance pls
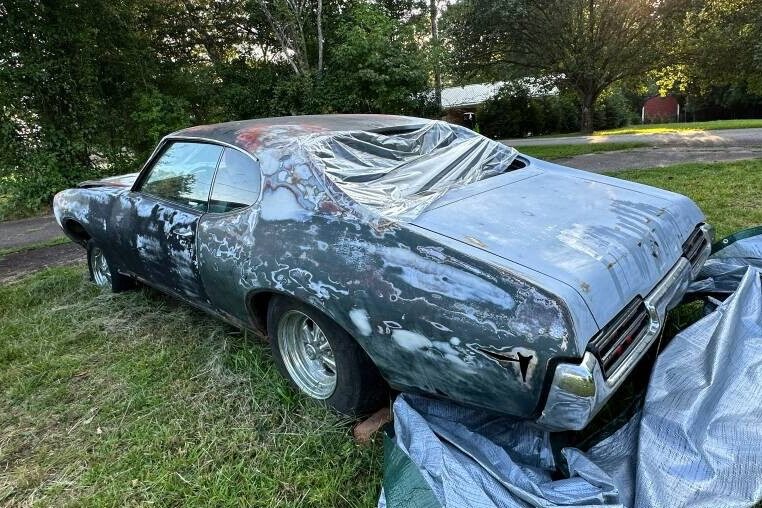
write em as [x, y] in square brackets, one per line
[697, 441]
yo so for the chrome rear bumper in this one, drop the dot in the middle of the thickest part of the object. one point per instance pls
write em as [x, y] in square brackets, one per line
[579, 391]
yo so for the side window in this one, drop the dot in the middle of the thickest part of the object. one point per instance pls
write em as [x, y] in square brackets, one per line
[183, 173]
[237, 182]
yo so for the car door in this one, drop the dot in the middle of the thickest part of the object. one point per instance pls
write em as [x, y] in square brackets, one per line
[227, 233]
[164, 208]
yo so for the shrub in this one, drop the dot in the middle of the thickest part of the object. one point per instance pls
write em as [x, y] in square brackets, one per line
[613, 110]
[508, 114]
[514, 113]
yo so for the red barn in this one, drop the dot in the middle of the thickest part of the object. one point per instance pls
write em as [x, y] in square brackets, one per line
[660, 109]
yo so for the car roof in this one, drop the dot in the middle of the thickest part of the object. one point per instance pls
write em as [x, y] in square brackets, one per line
[260, 133]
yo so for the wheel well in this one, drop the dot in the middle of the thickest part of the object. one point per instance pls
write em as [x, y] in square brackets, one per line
[259, 302]
[75, 231]
[257, 305]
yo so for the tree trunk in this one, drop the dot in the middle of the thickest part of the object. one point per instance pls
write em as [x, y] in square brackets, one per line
[435, 42]
[586, 113]
[320, 36]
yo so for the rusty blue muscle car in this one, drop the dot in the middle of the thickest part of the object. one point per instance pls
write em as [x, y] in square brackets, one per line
[383, 252]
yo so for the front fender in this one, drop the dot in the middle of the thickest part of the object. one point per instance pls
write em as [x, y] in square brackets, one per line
[91, 209]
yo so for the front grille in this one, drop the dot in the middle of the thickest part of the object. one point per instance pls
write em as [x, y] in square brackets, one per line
[611, 344]
[694, 246]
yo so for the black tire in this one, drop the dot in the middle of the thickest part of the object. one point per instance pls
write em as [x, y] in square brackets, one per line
[118, 282]
[360, 389]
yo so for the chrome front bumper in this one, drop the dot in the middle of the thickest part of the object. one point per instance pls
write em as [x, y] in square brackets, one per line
[579, 391]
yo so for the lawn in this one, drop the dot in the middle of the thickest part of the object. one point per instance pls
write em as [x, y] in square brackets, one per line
[551, 152]
[658, 128]
[135, 398]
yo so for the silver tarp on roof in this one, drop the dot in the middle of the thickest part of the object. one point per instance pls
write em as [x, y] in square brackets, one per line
[696, 442]
[399, 174]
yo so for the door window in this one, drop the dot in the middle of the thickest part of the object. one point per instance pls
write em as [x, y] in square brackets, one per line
[183, 174]
[237, 182]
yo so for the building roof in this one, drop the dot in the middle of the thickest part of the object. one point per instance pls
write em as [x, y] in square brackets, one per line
[258, 133]
[469, 95]
[472, 95]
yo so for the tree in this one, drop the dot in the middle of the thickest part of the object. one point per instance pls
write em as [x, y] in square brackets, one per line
[78, 100]
[584, 45]
[87, 88]
[434, 14]
[375, 65]
[292, 22]
[720, 44]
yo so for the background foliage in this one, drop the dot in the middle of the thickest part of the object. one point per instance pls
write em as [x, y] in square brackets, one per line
[87, 88]
[514, 113]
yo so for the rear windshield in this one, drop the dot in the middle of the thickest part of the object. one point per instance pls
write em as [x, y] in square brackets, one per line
[400, 174]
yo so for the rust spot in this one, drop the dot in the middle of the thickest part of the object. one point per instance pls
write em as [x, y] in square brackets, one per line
[585, 287]
[328, 206]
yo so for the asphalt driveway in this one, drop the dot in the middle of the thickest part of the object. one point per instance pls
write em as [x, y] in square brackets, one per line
[723, 137]
[668, 148]
[658, 156]
[24, 235]
[24, 232]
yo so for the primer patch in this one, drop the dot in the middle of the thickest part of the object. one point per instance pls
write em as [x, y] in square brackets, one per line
[411, 341]
[361, 320]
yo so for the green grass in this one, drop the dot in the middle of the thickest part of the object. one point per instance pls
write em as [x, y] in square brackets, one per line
[137, 399]
[560, 151]
[658, 128]
[50, 243]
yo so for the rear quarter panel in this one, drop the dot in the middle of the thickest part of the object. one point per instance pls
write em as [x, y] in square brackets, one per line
[419, 308]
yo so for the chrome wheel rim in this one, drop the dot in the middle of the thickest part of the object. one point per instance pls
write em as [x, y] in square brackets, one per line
[101, 273]
[307, 354]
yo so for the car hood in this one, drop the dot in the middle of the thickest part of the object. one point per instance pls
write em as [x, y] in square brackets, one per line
[608, 239]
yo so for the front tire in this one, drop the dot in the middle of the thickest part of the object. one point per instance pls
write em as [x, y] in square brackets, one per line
[322, 360]
[102, 271]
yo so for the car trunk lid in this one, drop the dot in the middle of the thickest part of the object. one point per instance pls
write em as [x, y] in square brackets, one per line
[609, 242]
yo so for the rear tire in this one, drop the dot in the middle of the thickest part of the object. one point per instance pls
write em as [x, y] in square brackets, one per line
[102, 271]
[322, 360]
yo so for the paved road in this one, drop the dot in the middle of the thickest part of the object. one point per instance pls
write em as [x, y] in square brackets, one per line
[19, 233]
[29, 232]
[723, 137]
[659, 156]
[18, 264]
